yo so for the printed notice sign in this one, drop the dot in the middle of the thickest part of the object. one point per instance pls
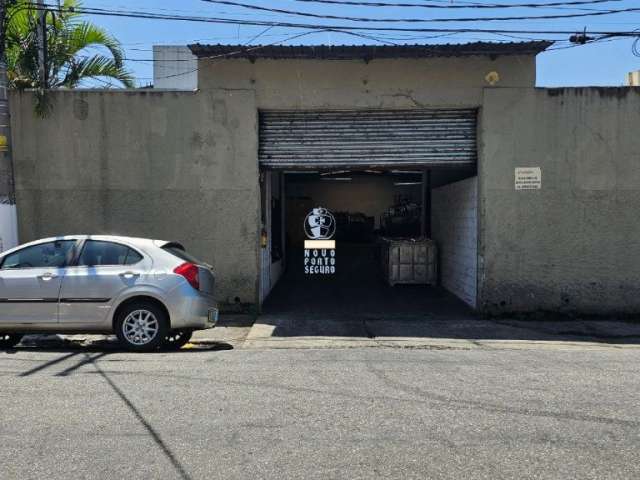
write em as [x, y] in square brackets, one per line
[528, 178]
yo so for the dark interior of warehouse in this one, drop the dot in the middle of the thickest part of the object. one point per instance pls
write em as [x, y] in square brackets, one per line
[373, 210]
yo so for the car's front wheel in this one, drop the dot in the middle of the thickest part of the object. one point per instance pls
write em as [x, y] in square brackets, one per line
[176, 339]
[142, 326]
[10, 340]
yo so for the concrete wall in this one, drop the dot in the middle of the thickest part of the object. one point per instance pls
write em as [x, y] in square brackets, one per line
[573, 245]
[454, 225]
[176, 166]
[383, 83]
[183, 165]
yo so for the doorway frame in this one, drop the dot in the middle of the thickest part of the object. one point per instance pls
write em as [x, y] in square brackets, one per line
[270, 271]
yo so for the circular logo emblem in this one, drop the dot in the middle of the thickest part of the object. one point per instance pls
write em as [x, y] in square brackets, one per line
[320, 224]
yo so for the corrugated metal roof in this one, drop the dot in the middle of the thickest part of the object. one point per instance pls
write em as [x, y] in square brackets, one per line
[367, 52]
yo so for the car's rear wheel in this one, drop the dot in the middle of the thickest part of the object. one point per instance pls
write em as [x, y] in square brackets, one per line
[142, 326]
[10, 340]
[176, 339]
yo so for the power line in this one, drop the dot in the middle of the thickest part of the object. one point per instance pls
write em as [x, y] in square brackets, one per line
[468, 5]
[418, 20]
[257, 47]
[196, 40]
[378, 39]
[356, 30]
[255, 37]
[238, 52]
[321, 27]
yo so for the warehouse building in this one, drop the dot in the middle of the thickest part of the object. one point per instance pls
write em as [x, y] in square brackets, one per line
[528, 196]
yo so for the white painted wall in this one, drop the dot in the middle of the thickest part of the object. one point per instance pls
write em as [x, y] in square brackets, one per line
[174, 67]
[454, 226]
[8, 227]
[277, 268]
[265, 252]
[270, 271]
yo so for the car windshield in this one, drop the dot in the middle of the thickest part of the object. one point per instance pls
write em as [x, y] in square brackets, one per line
[179, 251]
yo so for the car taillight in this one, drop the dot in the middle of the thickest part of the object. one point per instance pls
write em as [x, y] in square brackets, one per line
[190, 272]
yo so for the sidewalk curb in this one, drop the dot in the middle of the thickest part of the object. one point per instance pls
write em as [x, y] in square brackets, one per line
[420, 343]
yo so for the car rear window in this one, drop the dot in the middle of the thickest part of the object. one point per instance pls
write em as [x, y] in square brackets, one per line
[179, 251]
[101, 253]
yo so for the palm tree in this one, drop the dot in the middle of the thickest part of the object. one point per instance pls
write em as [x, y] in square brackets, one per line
[76, 50]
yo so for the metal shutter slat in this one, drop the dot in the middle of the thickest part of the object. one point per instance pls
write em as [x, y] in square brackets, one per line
[313, 139]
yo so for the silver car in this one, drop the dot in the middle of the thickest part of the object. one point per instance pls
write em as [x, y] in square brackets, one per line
[150, 293]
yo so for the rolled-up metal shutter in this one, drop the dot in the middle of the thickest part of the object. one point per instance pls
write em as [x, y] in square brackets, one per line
[434, 137]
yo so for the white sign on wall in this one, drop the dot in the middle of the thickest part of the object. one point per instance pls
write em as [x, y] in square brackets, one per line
[528, 178]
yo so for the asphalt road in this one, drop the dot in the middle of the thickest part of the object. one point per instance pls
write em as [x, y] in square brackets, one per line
[354, 413]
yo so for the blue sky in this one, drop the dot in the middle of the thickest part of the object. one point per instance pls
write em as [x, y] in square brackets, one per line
[603, 63]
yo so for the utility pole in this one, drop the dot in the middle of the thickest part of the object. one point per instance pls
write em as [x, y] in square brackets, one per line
[8, 216]
[41, 36]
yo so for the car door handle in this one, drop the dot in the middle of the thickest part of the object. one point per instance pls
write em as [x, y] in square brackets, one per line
[47, 276]
[129, 274]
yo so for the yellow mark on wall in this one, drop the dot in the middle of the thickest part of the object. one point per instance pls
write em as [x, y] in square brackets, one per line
[492, 78]
[3, 142]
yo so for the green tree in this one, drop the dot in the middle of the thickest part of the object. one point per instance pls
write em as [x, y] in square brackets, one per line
[76, 50]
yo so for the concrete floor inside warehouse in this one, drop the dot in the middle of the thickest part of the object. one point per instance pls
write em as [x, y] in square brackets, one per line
[357, 288]
[341, 304]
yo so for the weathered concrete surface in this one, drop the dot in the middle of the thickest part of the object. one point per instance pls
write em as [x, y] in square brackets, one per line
[573, 245]
[184, 166]
[231, 330]
[286, 331]
[382, 83]
[176, 166]
[441, 332]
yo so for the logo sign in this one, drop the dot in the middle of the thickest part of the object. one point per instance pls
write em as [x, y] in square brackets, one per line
[320, 224]
[320, 249]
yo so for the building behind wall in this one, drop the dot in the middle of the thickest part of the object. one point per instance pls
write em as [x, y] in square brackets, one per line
[185, 165]
[174, 68]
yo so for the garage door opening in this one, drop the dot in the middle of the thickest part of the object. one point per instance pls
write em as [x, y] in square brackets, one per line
[386, 186]
[373, 210]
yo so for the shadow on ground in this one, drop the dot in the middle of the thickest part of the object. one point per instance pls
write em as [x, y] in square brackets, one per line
[428, 327]
[105, 344]
[228, 334]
